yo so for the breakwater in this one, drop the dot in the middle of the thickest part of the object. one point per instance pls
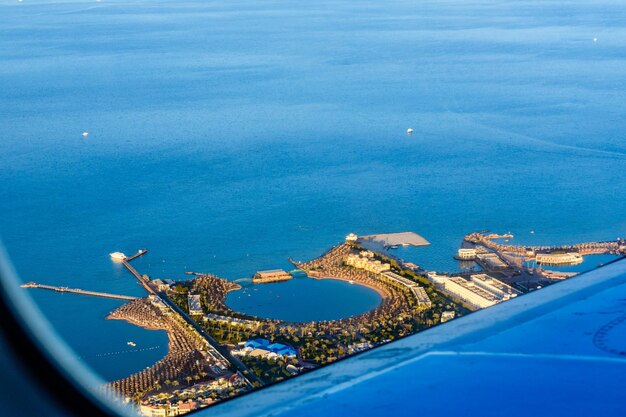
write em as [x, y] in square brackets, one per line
[586, 248]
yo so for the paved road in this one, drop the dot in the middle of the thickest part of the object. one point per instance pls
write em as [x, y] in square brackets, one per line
[221, 349]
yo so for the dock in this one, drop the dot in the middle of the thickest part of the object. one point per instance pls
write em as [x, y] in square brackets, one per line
[617, 247]
[392, 240]
[78, 291]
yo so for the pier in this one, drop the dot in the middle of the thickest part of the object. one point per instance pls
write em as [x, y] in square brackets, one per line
[145, 282]
[616, 247]
[78, 291]
[216, 349]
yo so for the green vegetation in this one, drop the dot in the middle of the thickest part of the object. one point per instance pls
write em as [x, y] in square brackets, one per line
[320, 343]
[269, 370]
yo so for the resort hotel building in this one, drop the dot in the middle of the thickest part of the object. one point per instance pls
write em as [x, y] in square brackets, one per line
[479, 292]
[494, 286]
[419, 292]
[365, 260]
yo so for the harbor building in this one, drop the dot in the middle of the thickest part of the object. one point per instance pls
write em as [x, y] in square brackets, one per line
[569, 258]
[494, 286]
[194, 304]
[271, 275]
[466, 254]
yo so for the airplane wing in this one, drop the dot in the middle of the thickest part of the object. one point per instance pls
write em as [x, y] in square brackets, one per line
[557, 351]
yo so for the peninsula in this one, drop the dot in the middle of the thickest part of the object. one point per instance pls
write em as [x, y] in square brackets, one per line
[215, 352]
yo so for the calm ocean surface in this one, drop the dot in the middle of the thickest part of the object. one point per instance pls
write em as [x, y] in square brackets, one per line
[226, 137]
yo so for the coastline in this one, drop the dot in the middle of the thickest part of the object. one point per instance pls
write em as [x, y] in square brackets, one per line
[186, 350]
[380, 291]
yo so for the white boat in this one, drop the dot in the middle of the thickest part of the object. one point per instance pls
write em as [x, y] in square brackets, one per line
[409, 131]
[131, 344]
[85, 134]
[117, 256]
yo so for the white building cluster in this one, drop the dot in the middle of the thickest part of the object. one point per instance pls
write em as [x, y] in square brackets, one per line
[494, 286]
[420, 293]
[365, 260]
[479, 292]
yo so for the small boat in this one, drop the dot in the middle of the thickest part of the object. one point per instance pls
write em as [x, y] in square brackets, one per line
[351, 282]
[85, 134]
[409, 131]
[133, 344]
[532, 232]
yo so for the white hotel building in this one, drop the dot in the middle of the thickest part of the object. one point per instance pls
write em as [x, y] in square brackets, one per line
[480, 292]
[423, 300]
[494, 286]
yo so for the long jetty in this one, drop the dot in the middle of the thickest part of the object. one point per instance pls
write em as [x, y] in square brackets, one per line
[77, 291]
[145, 282]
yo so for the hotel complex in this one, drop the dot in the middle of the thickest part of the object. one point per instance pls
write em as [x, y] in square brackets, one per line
[479, 292]
[365, 260]
[419, 292]
[494, 286]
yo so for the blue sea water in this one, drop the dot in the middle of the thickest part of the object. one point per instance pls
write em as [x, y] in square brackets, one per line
[226, 137]
[302, 299]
